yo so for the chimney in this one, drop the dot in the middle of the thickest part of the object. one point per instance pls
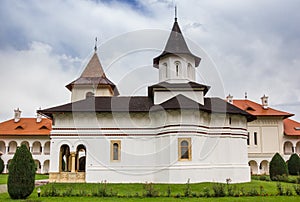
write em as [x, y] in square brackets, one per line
[229, 99]
[17, 115]
[264, 102]
[38, 118]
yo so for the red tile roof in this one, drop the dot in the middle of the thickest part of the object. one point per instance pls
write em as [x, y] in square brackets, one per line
[257, 109]
[26, 126]
[291, 127]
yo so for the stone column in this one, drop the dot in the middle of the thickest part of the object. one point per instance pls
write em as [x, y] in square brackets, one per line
[73, 162]
[6, 149]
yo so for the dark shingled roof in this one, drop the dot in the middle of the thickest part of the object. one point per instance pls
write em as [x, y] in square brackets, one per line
[165, 86]
[145, 104]
[93, 74]
[176, 45]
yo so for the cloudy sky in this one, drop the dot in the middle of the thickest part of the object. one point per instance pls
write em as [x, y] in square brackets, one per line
[248, 46]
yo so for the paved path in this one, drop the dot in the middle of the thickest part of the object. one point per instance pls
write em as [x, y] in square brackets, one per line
[3, 187]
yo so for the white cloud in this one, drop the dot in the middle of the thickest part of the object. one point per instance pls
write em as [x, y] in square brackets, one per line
[254, 44]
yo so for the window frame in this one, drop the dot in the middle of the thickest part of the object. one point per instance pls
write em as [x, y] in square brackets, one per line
[188, 140]
[112, 142]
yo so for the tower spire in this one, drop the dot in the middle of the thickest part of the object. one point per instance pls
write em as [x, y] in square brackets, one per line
[95, 48]
[175, 13]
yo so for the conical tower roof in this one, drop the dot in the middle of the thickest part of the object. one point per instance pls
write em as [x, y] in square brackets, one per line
[93, 75]
[176, 45]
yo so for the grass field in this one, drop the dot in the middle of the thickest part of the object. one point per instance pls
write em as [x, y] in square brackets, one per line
[135, 192]
[3, 178]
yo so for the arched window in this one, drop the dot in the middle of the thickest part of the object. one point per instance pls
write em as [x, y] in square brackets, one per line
[115, 150]
[164, 71]
[89, 95]
[190, 71]
[177, 68]
[184, 148]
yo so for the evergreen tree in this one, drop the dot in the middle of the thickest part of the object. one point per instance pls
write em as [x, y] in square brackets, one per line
[20, 183]
[1, 165]
[277, 167]
[294, 164]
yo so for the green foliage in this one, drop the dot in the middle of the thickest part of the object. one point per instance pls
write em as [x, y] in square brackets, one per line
[20, 183]
[1, 165]
[219, 190]
[188, 189]
[294, 164]
[150, 191]
[277, 167]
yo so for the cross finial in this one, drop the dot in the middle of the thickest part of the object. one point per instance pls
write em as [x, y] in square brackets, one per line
[246, 95]
[95, 48]
[175, 13]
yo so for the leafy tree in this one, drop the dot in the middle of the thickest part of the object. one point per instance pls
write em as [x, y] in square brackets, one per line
[294, 164]
[277, 167]
[1, 165]
[20, 183]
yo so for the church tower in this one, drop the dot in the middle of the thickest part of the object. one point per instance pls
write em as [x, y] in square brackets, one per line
[92, 82]
[177, 75]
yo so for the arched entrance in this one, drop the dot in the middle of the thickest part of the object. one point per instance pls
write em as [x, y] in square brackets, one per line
[64, 159]
[46, 166]
[80, 158]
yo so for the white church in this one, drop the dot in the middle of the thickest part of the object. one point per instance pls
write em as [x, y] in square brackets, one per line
[174, 134]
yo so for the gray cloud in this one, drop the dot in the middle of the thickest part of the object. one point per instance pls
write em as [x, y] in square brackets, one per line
[43, 46]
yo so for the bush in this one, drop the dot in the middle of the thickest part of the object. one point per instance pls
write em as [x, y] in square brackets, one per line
[294, 164]
[219, 190]
[20, 183]
[1, 165]
[277, 167]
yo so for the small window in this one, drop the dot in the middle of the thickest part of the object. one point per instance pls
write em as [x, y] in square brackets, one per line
[89, 95]
[248, 139]
[255, 138]
[177, 68]
[115, 150]
[184, 149]
[229, 120]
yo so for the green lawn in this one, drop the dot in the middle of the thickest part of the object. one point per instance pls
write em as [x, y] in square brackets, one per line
[3, 178]
[134, 192]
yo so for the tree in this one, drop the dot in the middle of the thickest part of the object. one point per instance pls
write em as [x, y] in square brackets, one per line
[1, 165]
[277, 167]
[294, 164]
[20, 183]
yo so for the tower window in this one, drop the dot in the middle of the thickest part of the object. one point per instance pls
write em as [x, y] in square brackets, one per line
[248, 139]
[255, 138]
[89, 95]
[177, 68]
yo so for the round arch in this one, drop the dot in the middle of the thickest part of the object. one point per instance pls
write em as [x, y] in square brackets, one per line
[288, 148]
[298, 148]
[264, 167]
[26, 143]
[64, 158]
[46, 166]
[2, 148]
[12, 147]
[81, 158]
[253, 167]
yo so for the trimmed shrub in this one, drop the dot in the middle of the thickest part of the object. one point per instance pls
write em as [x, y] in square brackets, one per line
[277, 167]
[1, 165]
[294, 164]
[20, 183]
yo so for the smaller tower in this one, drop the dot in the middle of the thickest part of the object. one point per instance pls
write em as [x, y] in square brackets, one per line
[92, 82]
[265, 102]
